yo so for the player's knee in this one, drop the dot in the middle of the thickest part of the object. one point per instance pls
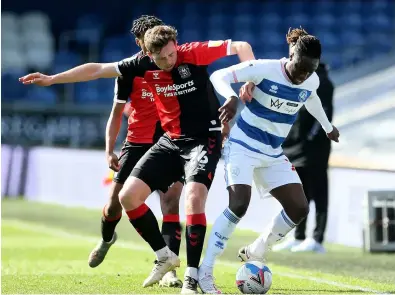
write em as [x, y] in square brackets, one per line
[301, 211]
[169, 203]
[239, 199]
[239, 208]
[113, 210]
[133, 193]
[196, 195]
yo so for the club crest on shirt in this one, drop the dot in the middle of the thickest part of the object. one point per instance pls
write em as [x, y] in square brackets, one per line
[184, 71]
[303, 95]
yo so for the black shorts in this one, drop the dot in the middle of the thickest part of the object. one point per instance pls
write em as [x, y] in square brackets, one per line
[131, 153]
[196, 159]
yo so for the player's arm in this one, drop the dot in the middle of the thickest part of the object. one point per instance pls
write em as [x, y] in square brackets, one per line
[314, 107]
[242, 49]
[121, 93]
[242, 72]
[83, 73]
[205, 53]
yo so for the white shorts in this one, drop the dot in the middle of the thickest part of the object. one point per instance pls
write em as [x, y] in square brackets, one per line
[243, 166]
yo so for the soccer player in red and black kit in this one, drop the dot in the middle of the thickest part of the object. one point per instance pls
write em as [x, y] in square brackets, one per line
[188, 111]
[143, 130]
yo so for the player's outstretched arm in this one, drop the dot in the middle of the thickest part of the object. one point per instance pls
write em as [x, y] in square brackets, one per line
[314, 107]
[82, 73]
[242, 49]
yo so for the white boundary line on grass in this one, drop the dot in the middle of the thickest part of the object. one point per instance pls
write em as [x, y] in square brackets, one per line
[129, 245]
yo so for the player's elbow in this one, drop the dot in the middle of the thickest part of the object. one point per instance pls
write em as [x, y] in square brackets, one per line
[217, 76]
[103, 70]
[243, 50]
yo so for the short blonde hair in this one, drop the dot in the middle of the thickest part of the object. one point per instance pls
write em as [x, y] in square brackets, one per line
[158, 37]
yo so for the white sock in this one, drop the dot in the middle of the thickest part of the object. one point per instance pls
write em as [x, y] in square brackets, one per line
[191, 272]
[274, 232]
[223, 227]
[163, 253]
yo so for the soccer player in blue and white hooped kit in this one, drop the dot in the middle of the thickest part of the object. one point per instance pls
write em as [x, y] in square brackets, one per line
[253, 150]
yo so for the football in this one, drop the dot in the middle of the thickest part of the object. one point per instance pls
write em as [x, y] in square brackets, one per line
[254, 277]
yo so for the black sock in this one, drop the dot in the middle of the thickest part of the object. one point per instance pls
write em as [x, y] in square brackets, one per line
[108, 227]
[145, 223]
[171, 232]
[195, 233]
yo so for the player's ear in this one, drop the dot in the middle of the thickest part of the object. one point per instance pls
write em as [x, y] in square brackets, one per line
[137, 42]
[291, 56]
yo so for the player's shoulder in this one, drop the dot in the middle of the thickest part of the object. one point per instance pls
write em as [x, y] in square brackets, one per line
[262, 65]
[136, 58]
[313, 82]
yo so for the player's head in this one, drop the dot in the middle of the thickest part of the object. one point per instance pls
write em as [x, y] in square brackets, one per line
[141, 26]
[304, 54]
[161, 44]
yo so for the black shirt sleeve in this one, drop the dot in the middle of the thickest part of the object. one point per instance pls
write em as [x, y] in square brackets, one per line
[122, 89]
[131, 66]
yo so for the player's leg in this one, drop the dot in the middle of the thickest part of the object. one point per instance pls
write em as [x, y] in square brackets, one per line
[239, 169]
[300, 229]
[199, 173]
[171, 228]
[285, 185]
[112, 211]
[150, 173]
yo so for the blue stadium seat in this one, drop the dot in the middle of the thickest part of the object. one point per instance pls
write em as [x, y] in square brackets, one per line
[269, 21]
[351, 38]
[323, 6]
[329, 40]
[245, 21]
[87, 92]
[123, 41]
[324, 21]
[189, 21]
[64, 60]
[115, 55]
[380, 22]
[244, 7]
[12, 89]
[299, 19]
[190, 35]
[89, 28]
[45, 95]
[352, 21]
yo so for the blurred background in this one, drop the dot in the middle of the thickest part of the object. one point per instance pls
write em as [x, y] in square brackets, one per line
[53, 138]
[358, 39]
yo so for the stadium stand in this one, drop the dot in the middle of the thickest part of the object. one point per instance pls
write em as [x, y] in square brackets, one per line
[59, 36]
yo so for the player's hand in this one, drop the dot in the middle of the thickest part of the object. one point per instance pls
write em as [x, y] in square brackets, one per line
[228, 110]
[334, 135]
[245, 92]
[112, 161]
[37, 78]
[225, 130]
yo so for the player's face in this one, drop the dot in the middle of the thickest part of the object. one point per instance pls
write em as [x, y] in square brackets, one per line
[302, 67]
[167, 57]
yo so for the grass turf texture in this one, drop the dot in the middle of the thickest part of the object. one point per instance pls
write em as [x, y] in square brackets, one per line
[45, 250]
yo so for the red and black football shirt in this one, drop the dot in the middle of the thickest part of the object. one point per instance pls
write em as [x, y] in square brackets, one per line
[143, 119]
[185, 98]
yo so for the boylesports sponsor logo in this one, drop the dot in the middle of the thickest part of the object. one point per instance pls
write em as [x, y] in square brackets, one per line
[175, 89]
[147, 94]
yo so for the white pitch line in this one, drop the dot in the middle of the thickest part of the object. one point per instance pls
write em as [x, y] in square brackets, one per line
[39, 228]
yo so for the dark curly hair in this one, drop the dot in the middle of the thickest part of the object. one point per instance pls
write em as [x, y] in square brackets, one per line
[143, 24]
[305, 44]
